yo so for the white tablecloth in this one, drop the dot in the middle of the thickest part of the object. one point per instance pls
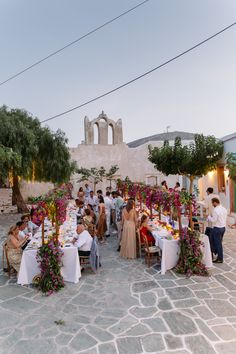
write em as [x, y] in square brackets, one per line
[29, 266]
[170, 252]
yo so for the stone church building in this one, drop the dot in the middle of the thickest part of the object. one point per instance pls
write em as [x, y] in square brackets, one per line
[104, 146]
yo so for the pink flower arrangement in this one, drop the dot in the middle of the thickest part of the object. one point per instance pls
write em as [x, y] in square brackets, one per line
[49, 256]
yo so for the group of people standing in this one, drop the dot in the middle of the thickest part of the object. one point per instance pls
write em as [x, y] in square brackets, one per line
[98, 213]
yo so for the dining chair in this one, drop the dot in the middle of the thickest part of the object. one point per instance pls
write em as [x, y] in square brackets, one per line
[150, 252]
[8, 267]
[140, 243]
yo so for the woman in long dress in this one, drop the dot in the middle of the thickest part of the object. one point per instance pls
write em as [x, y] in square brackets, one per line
[81, 194]
[14, 244]
[102, 225]
[129, 222]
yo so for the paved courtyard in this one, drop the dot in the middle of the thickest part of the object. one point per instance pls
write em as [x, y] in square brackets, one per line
[126, 308]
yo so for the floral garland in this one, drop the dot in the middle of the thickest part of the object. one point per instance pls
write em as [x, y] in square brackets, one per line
[190, 258]
[157, 198]
[52, 205]
[49, 256]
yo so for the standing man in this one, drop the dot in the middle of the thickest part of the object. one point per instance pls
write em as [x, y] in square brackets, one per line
[93, 200]
[108, 206]
[208, 204]
[218, 219]
[87, 190]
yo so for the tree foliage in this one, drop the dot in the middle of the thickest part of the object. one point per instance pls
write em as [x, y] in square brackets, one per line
[193, 160]
[31, 151]
[96, 175]
[231, 165]
[8, 160]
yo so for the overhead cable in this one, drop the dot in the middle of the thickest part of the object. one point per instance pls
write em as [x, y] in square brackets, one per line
[72, 43]
[140, 76]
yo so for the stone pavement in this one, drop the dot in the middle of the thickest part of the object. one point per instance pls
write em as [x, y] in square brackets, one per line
[126, 308]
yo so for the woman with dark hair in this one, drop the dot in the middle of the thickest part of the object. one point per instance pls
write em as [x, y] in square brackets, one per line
[102, 225]
[88, 222]
[146, 230]
[81, 194]
[90, 207]
[164, 185]
[129, 222]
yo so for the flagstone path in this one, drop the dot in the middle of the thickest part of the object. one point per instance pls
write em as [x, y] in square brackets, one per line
[126, 308]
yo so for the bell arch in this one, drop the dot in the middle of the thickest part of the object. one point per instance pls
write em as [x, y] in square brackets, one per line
[109, 131]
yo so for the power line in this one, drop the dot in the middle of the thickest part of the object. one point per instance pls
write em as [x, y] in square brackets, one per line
[140, 76]
[72, 43]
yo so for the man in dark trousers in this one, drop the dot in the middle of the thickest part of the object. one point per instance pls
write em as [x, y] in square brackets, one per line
[218, 219]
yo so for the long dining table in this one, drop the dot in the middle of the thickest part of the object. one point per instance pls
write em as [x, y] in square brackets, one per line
[70, 270]
[170, 250]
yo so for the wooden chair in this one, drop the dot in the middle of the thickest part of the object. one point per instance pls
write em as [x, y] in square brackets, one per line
[10, 270]
[150, 252]
[140, 244]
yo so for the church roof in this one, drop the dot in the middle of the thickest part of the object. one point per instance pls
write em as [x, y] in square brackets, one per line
[229, 137]
[161, 137]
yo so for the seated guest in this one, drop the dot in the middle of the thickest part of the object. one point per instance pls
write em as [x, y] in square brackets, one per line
[35, 216]
[164, 186]
[146, 230]
[83, 240]
[177, 187]
[88, 222]
[30, 226]
[80, 210]
[14, 244]
[21, 228]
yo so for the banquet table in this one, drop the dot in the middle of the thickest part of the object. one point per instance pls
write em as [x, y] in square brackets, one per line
[170, 251]
[71, 265]
[29, 266]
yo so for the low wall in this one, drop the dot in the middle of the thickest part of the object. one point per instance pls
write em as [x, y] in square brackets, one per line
[35, 189]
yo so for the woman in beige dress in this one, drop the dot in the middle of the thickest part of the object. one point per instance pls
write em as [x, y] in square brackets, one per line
[14, 244]
[102, 225]
[129, 222]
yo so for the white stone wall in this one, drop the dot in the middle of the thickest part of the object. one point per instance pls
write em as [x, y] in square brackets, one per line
[35, 189]
[132, 162]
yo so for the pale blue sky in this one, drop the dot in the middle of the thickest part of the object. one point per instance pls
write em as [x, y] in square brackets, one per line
[196, 93]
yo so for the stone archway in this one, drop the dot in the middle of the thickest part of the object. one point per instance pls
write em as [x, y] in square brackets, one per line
[104, 124]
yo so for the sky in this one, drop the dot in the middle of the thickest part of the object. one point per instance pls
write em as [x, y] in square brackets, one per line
[196, 93]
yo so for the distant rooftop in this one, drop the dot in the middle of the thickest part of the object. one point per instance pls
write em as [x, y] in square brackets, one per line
[161, 137]
[228, 137]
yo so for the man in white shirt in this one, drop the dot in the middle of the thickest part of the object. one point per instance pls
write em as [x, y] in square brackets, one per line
[108, 206]
[87, 190]
[83, 240]
[93, 200]
[218, 219]
[208, 204]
